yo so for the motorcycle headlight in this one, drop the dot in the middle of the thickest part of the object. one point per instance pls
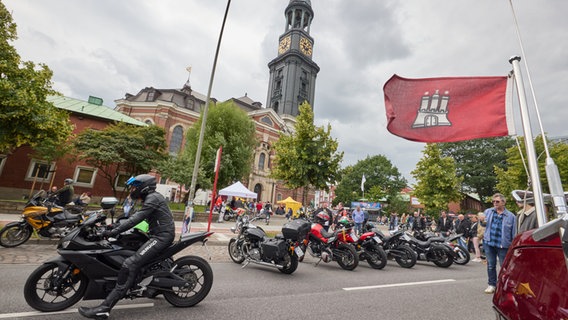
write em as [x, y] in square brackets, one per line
[65, 244]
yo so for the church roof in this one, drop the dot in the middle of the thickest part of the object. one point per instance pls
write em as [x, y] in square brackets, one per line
[91, 109]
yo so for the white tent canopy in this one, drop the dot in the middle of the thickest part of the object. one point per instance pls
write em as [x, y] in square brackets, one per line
[237, 189]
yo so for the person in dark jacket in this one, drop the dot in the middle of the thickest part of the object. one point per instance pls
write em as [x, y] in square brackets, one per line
[526, 217]
[444, 224]
[65, 194]
[161, 231]
[463, 226]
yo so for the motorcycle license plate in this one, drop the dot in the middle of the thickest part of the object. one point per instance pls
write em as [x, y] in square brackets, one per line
[299, 252]
[377, 239]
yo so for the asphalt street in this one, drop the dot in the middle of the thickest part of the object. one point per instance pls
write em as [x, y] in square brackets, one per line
[257, 292]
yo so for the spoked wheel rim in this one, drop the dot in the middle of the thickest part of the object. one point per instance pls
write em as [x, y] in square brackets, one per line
[51, 289]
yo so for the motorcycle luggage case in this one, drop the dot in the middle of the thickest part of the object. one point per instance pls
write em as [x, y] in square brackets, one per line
[296, 229]
[273, 249]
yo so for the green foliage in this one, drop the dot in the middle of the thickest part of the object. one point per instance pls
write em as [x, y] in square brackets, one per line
[26, 118]
[122, 148]
[383, 180]
[308, 157]
[515, 177]
[437, 182]
[476, 162]
[227, 126]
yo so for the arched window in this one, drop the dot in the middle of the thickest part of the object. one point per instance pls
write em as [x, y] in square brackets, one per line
[261, 160]
[176, 139]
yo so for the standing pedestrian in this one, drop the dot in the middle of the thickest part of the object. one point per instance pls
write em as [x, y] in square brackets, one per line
[527, 219]
[358, 218]
[499, 233]
[474, 238]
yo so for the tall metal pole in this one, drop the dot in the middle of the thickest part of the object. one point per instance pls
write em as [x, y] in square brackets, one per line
[204, 120]
[529, 143]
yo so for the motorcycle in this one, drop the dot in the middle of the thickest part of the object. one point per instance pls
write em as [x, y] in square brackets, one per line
[368, 245]
[440, 253]
[41, 216]
[229, 213]
[252, 245]
[87, 268]
[395, 247]
[461, 256]
[327, 247]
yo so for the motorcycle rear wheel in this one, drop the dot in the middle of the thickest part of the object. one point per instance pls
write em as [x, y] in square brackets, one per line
[236, 251]
[442, 258]
[346, 256]
[200, 275]
[406, 258]
[13, 235]
[376, 256]
[226, 217]
[46, 291]
[463, 256]
[291, 266]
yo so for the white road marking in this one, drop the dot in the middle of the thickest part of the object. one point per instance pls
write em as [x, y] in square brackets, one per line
[222, 237]
[38, 313]
[399, 284]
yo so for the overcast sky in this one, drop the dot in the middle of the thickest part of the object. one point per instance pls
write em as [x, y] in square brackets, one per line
[108, 48]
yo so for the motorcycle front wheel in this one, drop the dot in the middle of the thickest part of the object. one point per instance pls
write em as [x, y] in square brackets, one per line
[199, 274]
[463, 255]
[346, 256]
[236, 251]
[48, 291]
[14, 234]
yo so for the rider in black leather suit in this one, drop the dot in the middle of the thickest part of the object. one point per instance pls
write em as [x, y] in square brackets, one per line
[161, 230]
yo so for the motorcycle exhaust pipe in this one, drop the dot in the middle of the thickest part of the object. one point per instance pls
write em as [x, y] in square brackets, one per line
[262, 263]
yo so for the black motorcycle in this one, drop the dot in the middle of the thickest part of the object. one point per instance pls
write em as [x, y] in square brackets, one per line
[87, 268]
[252, 244]
[440, 253]
[461, 254]
[395, 246]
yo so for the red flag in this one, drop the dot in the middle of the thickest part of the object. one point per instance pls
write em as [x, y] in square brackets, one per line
[448, 109]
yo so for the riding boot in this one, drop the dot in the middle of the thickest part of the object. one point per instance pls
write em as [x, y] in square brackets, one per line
[103, 310]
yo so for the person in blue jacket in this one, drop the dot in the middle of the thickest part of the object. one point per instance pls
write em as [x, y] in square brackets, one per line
[499, 233]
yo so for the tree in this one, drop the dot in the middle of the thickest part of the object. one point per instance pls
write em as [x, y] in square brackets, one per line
[227, 126]
[515, 176]
[308, 157]
[476, 161]
[26, 118]
[383, 180]
[437, 182]
[122, 149]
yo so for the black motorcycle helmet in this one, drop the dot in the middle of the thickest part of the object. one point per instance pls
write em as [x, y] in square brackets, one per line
[141, 185]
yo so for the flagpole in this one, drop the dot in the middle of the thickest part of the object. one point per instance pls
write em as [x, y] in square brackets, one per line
[529, 142]
[189, 206]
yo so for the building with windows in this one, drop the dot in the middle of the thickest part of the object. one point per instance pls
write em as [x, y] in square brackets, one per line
[20, 172]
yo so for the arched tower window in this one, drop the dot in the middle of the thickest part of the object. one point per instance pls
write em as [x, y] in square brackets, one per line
[261, 160]
[176, 139]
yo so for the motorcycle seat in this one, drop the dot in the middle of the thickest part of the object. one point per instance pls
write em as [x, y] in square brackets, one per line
[424, 243]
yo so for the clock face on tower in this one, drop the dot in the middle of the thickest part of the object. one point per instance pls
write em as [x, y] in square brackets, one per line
[284, 45]
[306, 46]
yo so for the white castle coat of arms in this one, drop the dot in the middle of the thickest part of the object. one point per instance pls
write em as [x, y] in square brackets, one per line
[433, 111]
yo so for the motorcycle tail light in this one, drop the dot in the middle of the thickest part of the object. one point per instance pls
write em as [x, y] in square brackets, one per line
[76, 271]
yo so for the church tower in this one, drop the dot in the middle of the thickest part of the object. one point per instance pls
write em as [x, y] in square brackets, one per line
[293, 72]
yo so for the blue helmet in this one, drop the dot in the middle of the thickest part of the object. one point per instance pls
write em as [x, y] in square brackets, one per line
[143, 184]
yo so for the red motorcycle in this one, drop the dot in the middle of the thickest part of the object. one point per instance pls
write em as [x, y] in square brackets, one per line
[368, 245]
[327, 247]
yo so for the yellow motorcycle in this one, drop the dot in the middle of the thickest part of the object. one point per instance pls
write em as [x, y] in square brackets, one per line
[42, 217]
